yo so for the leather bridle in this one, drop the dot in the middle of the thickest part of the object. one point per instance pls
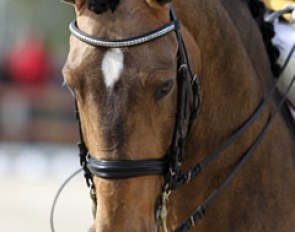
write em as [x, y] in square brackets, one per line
[170, 166]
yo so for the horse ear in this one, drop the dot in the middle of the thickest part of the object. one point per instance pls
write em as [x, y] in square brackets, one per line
[69, 1]
[158, 3]
[77, 3]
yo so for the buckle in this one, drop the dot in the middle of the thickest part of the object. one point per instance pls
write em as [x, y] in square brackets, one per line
[182, 66]
[196, 85]
[189, 176]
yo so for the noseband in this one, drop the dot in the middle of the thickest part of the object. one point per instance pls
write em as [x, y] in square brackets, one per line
[169, 166]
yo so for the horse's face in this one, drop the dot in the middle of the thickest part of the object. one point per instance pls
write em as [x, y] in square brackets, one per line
[127, 102]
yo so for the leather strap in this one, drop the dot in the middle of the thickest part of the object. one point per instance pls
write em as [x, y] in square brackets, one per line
[126, 168]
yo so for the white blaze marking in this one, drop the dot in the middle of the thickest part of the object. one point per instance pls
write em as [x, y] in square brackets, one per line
[112, 66]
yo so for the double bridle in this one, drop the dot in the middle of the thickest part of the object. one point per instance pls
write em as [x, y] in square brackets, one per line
[187, 109]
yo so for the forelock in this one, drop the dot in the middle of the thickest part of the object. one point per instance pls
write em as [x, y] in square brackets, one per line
[101, 6]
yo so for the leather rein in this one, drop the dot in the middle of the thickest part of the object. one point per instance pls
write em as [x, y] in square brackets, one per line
[170, 166]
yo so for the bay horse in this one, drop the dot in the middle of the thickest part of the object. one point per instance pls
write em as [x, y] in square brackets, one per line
[129, 98]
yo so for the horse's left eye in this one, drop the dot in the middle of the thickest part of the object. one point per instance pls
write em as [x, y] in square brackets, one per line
[164, 89]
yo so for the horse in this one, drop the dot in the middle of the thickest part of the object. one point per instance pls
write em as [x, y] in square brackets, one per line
[128, 106]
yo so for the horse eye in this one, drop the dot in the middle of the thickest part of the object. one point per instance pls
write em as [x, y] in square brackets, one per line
[164, 90]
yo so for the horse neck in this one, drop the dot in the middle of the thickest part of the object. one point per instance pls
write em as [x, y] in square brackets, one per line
[231, 92]
[233, 85]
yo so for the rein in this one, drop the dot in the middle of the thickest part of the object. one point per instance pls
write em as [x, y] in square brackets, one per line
[170, 165]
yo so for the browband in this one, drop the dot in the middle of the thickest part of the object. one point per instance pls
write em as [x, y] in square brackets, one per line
[126, 168]
[99, 42]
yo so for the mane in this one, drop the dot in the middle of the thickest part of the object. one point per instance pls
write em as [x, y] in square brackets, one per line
[101, 6]
[258, 11]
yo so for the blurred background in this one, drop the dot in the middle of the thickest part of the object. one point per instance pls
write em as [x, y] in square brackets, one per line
[38, 131]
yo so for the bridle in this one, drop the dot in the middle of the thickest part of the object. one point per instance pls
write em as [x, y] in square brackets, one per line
[187, 110]
[170, 166]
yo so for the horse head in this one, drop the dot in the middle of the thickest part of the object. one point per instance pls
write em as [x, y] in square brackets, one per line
[127, 101]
